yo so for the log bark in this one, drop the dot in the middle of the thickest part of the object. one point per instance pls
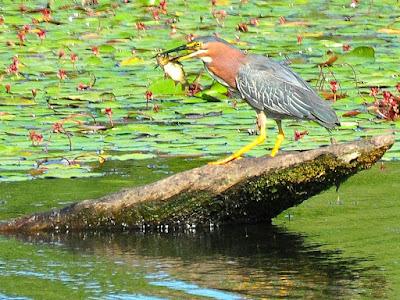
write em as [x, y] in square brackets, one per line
[248, 190]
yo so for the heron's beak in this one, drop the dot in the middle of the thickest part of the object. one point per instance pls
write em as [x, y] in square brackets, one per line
[193, 52]
[177, 49]
[190, 55]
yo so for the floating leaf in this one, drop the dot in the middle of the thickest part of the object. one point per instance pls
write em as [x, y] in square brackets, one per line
[389, 31]
[362, 51]
[12, 100]
[332, 96]
[6, 116]
[222, 2]
[166, 87]
[134, 60]
[360, 54]
[351, 113]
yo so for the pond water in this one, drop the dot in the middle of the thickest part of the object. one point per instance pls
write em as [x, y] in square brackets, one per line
[75, 64]
[341, 244]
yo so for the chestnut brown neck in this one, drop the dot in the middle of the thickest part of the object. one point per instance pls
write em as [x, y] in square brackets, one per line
[225, 63]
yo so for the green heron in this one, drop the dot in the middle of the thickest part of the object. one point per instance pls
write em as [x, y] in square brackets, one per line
[268, 86]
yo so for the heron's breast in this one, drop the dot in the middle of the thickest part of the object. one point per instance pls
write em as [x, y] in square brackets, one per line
[225, 65]
[215, 77]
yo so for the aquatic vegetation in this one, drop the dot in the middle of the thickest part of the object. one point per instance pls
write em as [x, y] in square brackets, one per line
[386, 104]
[94, 59]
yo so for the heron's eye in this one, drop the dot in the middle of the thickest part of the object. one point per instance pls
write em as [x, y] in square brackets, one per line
[196, 45]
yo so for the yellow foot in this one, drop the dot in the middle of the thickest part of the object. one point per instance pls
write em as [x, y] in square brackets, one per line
[274, 152]
[261, 119]
[278, 143]
[224, 160]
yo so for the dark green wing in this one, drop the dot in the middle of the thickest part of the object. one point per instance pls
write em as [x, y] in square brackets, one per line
[273, 87]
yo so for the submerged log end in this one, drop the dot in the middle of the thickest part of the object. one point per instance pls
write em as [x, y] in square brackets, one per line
[245, 191]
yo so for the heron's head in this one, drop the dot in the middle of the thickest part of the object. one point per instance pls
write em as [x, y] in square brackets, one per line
[205, 48]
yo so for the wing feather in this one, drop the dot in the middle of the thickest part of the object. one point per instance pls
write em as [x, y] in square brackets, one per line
[270, 86]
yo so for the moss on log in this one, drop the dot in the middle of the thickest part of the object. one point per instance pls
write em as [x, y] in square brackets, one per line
[244, 191]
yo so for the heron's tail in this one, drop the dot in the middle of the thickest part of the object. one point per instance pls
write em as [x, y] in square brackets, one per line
[325, 115]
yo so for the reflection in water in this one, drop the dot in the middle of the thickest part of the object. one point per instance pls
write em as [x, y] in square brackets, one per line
[225, 263]
[130, 297]
[164, 280]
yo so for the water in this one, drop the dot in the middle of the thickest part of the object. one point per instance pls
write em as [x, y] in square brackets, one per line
[229, 263]
[336, 245]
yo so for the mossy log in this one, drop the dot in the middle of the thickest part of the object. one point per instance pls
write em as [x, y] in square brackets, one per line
[248, 190]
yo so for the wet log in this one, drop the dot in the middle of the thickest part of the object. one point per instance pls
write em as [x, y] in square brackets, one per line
[248, 190]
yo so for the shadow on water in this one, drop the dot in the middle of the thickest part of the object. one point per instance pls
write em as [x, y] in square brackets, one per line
[232, 262]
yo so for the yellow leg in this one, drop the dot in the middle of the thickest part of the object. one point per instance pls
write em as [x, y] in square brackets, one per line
[279, 139]
[261, 123]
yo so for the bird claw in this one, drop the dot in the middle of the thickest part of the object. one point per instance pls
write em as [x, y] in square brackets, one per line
[224, 160]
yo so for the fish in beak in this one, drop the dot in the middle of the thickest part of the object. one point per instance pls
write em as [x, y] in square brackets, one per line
[172, 68]
[171, 65]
